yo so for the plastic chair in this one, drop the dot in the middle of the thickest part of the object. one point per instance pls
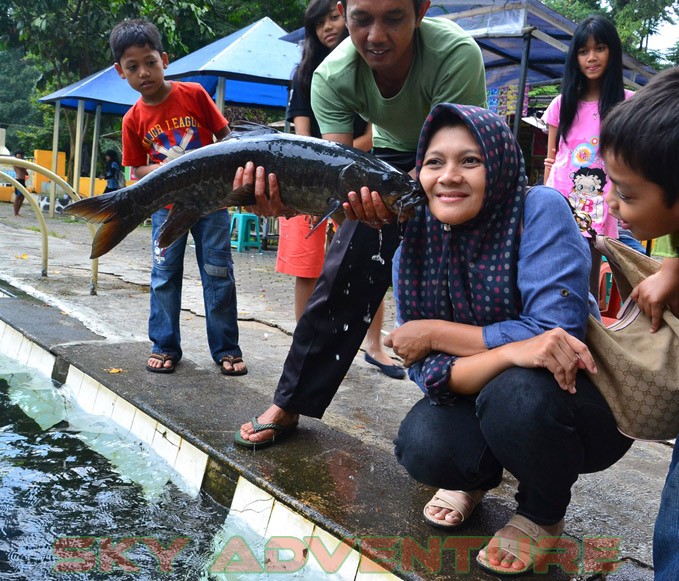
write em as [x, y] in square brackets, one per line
[246, 228]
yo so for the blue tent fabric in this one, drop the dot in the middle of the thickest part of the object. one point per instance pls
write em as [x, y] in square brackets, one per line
[104, 88]
[256, 64]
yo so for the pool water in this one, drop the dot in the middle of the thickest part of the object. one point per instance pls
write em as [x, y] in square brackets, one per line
[72, 490]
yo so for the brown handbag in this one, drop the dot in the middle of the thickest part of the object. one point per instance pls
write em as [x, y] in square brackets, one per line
[638, 371]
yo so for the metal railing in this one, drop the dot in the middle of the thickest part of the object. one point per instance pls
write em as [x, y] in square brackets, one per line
[14, 161]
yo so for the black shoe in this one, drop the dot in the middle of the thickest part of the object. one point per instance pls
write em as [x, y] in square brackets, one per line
[393, 371]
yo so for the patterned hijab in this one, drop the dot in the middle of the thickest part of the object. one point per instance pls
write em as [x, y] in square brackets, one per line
[465, 273]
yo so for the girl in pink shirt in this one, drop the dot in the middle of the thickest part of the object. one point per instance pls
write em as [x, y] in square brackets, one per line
[592, 84]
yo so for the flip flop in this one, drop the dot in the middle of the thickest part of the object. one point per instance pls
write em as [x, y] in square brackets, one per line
[231, 360]
[280, 433]
[517, 547]
[162, 357]
[444, 499]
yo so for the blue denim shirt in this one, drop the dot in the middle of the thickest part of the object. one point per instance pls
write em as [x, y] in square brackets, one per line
[553, 273]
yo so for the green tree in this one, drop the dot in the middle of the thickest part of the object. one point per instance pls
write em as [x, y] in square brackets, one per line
[18, 113]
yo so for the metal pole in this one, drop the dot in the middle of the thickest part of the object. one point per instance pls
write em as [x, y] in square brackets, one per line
[55, 157]
[522, 82]
[220, 95]
[78, 145]
[95, 148]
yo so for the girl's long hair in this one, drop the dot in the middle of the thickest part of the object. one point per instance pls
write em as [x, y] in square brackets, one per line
[314, 51]
[574, 85]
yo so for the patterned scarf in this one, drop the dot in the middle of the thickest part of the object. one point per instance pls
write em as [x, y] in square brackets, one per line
[465, 273]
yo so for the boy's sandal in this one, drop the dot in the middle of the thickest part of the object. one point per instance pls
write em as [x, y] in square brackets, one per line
[163, 358]
[446, 499]
[525, 548]
[232, 360]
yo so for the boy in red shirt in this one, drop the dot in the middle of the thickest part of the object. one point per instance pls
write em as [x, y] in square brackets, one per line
[169, 119]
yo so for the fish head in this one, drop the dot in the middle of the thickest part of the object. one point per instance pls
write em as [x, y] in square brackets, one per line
[402, 194]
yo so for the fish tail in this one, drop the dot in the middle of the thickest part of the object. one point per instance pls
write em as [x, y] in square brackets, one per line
[97, 209]
[110, 235]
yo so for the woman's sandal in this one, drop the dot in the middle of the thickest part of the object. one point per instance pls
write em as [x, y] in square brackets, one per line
[232, 360]
[525, 548]
[163, 358]
[445, 499]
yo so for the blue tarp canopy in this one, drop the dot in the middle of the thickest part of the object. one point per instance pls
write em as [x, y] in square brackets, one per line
[103, 88]
[254, 65]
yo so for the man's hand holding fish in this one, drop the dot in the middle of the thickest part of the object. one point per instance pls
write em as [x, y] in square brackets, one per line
[269, 205]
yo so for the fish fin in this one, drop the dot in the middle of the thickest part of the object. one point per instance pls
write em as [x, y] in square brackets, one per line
[97, 209]
[243, 196]
[334, 206]
[248, 129]
[177, 223]
[321, 221]
[110, 235]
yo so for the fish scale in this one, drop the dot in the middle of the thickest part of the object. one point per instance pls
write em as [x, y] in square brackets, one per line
[314, 177]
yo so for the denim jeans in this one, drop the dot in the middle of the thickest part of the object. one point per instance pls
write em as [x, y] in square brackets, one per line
[211, 235]
[523, 422]
[666, 534]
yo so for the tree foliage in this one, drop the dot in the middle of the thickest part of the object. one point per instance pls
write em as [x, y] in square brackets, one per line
[635, 20]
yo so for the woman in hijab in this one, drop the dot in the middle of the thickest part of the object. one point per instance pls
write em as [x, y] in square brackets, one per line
[492, 297]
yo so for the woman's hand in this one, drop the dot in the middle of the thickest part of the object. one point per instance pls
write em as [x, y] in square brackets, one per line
[555, 350]
[411, 341]
[659, 290]
[367, 207]
[266, 205]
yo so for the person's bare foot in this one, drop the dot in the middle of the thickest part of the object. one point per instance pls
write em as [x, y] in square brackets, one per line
[452, 517]
[273, 415]
[494, 555]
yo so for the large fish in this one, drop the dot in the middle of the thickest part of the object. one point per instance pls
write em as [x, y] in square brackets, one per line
[314, 177]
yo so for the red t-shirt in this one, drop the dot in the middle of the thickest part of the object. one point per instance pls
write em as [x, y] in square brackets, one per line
[186, 120]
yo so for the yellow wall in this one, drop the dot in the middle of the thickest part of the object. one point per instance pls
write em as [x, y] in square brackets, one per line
[6, 193]
[43, 157]
[84, 187]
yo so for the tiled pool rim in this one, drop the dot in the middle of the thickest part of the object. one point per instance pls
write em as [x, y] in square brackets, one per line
[272, 518]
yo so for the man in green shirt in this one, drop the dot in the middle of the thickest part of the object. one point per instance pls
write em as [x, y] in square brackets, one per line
[395, 66]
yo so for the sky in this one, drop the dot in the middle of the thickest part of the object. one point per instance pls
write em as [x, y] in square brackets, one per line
[667, 37]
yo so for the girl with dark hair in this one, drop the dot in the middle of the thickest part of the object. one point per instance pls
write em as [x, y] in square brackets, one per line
[300, 254]
[112, 171]
[592, 84]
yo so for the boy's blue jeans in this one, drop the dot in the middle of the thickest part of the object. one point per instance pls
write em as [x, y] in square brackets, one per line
[212, 237]
[666, 535]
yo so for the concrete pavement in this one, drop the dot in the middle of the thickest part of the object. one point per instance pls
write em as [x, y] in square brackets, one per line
[340, 472]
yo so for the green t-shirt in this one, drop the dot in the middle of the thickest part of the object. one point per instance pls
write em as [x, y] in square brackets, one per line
[447, 68]
[667, 246]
